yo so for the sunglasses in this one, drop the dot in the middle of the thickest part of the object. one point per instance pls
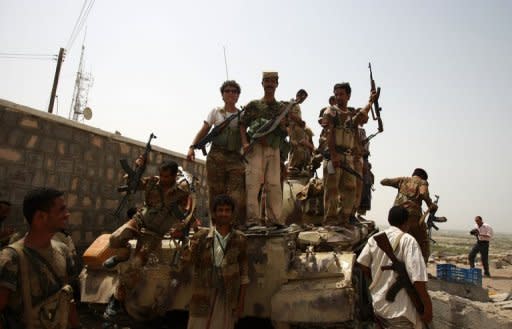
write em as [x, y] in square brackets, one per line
[232, 91]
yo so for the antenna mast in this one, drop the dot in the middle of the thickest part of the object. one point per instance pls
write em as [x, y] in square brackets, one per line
[83, 82]
[226, 63]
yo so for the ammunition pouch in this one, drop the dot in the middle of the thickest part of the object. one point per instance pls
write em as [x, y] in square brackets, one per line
[344, 137]
[228, 139]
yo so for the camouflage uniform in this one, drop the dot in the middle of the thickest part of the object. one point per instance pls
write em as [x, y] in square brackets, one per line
[411, 192]
[263, 168]
[161, 213]
[300, 156]
[359, 153]
[216, 287]
[340, 185]
[225, 172]
[47, 273]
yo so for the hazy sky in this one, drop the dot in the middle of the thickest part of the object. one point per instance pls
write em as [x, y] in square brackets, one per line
[444, 68]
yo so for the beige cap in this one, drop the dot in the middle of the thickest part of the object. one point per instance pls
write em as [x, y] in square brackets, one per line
[270, 74]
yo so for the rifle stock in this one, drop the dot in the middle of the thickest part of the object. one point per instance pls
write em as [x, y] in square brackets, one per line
[402, 280]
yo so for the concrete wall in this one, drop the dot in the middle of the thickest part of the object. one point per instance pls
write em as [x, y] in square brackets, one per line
[41, 149]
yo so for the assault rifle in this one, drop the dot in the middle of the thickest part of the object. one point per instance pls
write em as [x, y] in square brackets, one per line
[268, 127]
[432, 220]
[216, 131]
[134, 177]
[402, 280]
[378, 109]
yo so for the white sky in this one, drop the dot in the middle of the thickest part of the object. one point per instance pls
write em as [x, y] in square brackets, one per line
[444, 69]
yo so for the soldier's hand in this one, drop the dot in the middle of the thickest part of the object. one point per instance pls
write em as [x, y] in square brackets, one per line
[373, 97]
[139, 162]
[191, 156]
[433, 207]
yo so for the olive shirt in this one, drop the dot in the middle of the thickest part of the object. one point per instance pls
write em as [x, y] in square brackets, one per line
[257, 113]
[43, 283]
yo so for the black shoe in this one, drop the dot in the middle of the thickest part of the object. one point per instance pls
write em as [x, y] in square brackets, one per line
[112, 262]
[488, 275]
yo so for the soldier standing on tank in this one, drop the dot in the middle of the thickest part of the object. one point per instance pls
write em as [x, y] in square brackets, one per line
[301, 146]
[411, 192]
[341, 124]
[263, 168]
[225, 173]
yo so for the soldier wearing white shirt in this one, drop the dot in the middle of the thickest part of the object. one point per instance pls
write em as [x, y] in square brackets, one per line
[400, 313]
[484, 234]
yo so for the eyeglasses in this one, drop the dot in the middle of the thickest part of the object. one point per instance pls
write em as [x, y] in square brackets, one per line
[232, 91]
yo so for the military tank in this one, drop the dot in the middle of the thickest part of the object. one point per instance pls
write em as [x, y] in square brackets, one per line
[301, 276]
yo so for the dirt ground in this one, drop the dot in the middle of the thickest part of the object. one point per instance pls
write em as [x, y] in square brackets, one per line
[453, 247]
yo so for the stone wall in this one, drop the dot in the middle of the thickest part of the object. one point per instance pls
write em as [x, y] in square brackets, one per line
[41, 149]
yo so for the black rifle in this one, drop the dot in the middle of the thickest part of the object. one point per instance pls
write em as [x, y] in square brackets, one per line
[343, 166]
[216, 131]
[268, 127]
[134, 177]
[378, 109]
[402, 280]
[432, 220]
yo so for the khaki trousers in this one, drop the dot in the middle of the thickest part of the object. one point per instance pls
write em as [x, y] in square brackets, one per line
[339, 193]
[263, 170]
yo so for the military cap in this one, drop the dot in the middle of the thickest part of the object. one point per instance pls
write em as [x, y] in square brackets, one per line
[270, 74]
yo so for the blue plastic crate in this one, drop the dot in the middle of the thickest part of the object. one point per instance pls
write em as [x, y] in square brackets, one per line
[444, 271]
[473, 275]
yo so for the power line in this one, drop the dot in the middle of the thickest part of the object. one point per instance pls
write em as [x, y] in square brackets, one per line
[79, 23]
[26, 54]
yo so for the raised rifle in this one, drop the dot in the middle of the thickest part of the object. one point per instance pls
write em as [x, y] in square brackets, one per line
[268, 127]
[432, 220]
[216, 131]
[402, 280]
[133, 179]
[378, 109]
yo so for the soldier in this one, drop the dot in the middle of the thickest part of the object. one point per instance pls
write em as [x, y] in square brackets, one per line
[411, 192]
[35, 271]
[225, 173]
[263, 168]
[483, 233]
[341, 124]
[5, 233]
[300, 138]
[165, 207]
[221, 271]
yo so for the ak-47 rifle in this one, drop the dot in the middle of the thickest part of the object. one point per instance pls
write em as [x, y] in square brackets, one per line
[134, 177]
[402, 280]
[268, 127]
[216, 131]
[432, 220]
[378, 109]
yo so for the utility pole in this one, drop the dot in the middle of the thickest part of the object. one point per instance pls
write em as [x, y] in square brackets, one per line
[56, 80]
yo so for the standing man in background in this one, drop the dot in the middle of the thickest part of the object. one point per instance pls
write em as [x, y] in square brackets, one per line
[483, 233]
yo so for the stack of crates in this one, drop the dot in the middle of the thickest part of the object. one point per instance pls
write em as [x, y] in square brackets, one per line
[450, 272]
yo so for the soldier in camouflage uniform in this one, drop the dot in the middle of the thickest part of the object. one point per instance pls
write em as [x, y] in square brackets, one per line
[263, 168]
[35, 271]
[165, 207]
[411, 192]
[341, 124]
[225, 172]
[301, 145]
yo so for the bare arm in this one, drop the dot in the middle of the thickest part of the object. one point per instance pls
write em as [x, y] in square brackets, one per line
[243, 136]
[421, 288]
[200, 134]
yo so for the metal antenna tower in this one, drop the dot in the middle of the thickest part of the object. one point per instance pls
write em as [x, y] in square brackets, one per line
[83, 82]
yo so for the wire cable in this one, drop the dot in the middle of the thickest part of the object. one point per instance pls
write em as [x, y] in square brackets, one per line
[80, 25]
[76, 24]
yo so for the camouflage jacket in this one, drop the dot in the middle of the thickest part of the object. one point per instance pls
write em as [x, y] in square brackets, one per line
[234, 269]
[411, 192]
[257, 113]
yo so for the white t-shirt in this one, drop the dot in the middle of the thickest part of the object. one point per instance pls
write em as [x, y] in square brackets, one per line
[485, 232]
[409, 252]
[218, 115]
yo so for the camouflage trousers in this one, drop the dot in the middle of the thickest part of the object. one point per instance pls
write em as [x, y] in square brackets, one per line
[264, 170]
[339, 193]
[419, 232]
[358, 167]
[299, 158]
[225, 174]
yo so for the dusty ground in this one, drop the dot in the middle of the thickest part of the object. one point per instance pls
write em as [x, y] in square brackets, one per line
[454, 247]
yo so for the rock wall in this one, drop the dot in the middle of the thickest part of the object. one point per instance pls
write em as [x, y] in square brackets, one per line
[41, 149]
